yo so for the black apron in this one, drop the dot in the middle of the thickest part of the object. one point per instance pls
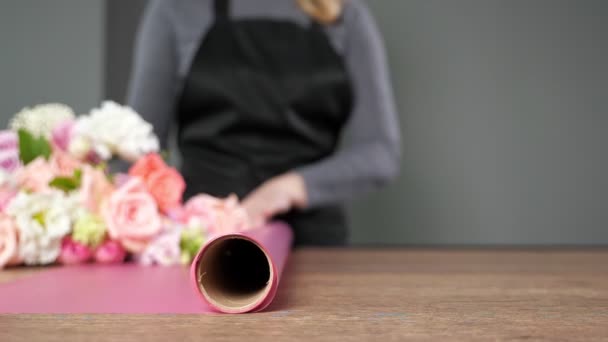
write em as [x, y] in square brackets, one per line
[263, 97]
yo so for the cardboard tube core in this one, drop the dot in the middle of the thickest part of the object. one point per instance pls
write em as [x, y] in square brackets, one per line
[234, 274]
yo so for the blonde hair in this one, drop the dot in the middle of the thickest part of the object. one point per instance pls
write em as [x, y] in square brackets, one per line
[323, 11]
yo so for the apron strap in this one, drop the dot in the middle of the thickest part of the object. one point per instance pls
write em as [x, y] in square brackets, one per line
[221, 8]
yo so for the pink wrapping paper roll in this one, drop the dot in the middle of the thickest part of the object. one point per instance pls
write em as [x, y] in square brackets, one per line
[240, 272]
[245, 268]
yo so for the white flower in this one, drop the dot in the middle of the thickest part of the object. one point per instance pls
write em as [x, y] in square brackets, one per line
[79, 147]
[42, 219]
[42, 119]
[6, 179]
[116, 129]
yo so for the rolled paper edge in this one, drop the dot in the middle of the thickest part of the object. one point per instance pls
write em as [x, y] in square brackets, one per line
[274, 240]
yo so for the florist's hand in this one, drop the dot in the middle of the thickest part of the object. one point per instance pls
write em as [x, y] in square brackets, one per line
[276, 196]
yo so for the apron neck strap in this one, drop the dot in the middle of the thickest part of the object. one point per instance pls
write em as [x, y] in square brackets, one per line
[221, 8]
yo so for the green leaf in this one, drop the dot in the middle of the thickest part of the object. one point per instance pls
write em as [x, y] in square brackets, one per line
[67, 184]
[77, 176]
[191, 240]
[31, 147]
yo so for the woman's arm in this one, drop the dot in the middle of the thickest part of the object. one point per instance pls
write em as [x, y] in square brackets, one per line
[370, 156]
[153, 83]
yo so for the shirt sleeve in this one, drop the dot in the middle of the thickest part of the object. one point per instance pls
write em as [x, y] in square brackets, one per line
[369, 158]
[152, 86]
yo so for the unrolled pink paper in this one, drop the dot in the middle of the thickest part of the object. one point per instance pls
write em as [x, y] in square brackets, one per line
[130, 289]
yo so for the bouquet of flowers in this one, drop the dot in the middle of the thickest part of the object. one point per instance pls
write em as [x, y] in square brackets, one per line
[60, 204]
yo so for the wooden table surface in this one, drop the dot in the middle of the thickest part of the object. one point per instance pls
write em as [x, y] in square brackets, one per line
[382, 295]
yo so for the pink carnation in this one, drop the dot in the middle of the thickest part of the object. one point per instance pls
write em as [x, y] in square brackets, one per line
[8, 140]
[9, 151]
[163, 250]
[9, 161]
[74, 253]
[110, 252]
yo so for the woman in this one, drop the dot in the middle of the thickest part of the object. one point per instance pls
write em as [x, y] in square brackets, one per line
[262, 92]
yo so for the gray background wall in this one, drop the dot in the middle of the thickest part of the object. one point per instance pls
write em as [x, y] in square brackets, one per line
[502, 102]
[50, 51]
[504, 116]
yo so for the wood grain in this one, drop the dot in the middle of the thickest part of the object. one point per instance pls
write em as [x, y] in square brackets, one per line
[382, 295]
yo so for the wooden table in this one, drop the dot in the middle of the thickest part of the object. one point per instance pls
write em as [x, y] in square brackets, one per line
[382, 295]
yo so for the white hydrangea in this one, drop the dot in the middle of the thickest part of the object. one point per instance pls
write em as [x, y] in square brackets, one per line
[42, 219]
[115, 129]
[42, 119]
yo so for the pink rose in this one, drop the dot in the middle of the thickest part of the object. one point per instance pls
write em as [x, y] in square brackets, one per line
[8, 241]
[36, 175]
[135, 245]
[146, 165]
[63, 164]
[110, 252]
[74, 253]
[62, 135]
[94, 188]
[131, 214]
[217, 215]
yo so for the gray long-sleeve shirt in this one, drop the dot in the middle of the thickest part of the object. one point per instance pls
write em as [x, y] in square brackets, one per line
[369, 155]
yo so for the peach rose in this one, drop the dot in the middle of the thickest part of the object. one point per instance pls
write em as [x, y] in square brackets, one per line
[217, 215]
[8, 241]
[147, 165]
[36, 175]
[167, 187]
[94, 188]
[165, 184]
[131, 213]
